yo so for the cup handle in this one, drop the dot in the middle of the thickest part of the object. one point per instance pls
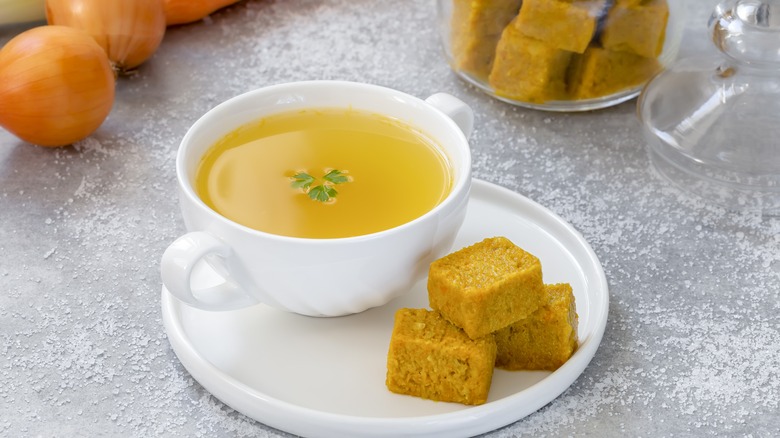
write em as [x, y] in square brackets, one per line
[455, 109]
[179, 261]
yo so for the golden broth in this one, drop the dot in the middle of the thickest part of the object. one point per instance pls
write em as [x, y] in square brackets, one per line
[395, 173]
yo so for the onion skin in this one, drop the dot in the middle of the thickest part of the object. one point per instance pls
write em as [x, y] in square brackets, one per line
[56, 86]
[130, 31]
[188, 11]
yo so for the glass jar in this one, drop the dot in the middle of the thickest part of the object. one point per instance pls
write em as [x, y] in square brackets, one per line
[712, 123]
[560, 55]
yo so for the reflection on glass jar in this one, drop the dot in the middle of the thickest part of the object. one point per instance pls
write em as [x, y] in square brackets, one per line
[712, 123]
[560, 55]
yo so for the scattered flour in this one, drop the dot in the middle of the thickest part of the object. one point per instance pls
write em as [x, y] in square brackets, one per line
[693, 339]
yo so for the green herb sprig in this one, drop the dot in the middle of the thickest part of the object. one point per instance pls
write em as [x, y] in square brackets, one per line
[323, 192]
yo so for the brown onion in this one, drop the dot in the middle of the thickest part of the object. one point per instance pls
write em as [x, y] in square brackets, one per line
[129, 30]
[187, 11]
[56, 85]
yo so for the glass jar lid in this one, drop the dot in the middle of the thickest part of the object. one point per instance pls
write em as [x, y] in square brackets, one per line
[713, 124]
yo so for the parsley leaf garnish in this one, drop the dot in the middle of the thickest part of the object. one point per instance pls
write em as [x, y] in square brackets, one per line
[323, 192]
[336, 177]
[302, 180]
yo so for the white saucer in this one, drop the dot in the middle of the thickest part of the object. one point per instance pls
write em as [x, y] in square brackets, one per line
[325, 377]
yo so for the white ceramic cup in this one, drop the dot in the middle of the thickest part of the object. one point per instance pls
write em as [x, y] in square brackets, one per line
[338, 276]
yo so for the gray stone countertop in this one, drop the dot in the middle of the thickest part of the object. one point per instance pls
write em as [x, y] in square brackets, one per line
[692, 344]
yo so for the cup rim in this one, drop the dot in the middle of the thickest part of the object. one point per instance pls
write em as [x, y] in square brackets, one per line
[461, 186]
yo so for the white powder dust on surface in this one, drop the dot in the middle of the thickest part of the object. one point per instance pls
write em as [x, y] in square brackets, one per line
[692, 345]
[693, 329]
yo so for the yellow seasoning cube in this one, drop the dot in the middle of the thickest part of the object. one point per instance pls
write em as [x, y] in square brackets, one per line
[566, 25]
[475, 29]
[486, 286]
[527, 69]
[546, 339]
[635, 27]
[600, 72]
[433, 359]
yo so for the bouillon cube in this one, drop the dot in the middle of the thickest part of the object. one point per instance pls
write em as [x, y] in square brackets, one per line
[325, 173]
